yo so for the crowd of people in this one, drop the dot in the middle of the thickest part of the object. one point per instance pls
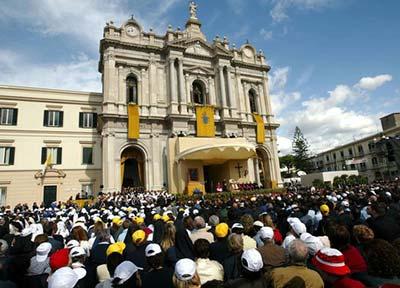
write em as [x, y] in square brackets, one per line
[304, 237]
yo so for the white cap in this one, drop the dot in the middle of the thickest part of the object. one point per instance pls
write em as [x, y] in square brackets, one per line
[252, 260]
[237, 225]
[185, 269]
[313, 243]
[42, 251]
[258, 223]
[77, 251]
[266, 233]
[297, 226]
[152, 249]
[64, 277]
[72, 243]
[125, 270]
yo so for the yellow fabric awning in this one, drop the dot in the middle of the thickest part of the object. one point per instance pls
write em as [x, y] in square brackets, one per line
[218, 152]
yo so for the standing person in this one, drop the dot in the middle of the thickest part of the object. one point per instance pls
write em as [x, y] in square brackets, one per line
[208, 270]
[158, 275]
[272, 255]
[232, 264]
[383, 225]
[185, 275]
[298, 254]
[200, 231]
[333, 269]
[219, 250]
[168, 245]
[252, 276]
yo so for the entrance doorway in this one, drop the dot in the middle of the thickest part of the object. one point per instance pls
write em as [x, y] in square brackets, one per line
[49, 195]
[214, 174]
[263, 168]
[132, 168]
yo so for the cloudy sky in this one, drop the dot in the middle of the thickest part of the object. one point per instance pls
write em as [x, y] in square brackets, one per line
[335, 63]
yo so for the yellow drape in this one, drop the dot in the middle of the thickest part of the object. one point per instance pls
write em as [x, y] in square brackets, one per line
[260, 128]
[133, 121]
[205, 121]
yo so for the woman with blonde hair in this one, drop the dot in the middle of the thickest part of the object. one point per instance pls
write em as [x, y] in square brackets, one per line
[168, 244]
[266, 219]
[185, 275]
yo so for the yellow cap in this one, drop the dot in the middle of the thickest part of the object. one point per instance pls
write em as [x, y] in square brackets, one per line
[157, 217]
[117, 220]
[181, 209]
[221, 230]
[116, 247]
[139, 220]
[165, 218]
[324, 209]
[138, 236]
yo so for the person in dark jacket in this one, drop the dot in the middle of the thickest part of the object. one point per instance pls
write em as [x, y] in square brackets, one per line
[384, 226]
[252, 264]
[232, 264]
[219, 250]
[157, 275]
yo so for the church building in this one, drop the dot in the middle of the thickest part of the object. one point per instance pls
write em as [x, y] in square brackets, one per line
[177, 111]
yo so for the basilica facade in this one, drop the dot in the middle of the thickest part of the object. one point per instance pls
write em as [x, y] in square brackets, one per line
[177, 111]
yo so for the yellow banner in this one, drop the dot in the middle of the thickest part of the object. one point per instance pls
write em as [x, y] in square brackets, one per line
[260, 128]
[205, 121]
[133, 121]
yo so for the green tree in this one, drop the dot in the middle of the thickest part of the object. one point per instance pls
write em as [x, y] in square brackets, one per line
[300, 149]
[287, 161]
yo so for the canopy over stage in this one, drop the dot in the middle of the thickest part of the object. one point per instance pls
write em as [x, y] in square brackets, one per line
[200, 163]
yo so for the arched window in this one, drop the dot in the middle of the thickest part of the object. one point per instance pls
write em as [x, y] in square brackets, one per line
[198, 92]
[131, 89]
[252, 100]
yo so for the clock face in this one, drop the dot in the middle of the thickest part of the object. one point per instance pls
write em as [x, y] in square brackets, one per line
[131, 30]
[248, 53]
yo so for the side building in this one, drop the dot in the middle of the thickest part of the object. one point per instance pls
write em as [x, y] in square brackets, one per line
[376, 156]
[49, 145]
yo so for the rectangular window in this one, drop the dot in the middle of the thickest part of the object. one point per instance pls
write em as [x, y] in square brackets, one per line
[53, 118]
[8, 116]
[350, 152]
[87, 120]
[360, 149]
[87, 155]
[52, 154]
[87, 190]
[334, 155]
[327, 158]
[341, 154]
[7, 155]
[371, 146]
[3, 196]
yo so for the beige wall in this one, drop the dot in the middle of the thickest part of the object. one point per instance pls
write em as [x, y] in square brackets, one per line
[23, 187]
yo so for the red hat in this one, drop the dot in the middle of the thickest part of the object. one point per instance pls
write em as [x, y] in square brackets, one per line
[331, 261]
[147, 231]
[59, 259]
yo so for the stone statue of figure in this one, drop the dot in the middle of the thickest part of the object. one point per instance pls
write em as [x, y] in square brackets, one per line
[193, 10]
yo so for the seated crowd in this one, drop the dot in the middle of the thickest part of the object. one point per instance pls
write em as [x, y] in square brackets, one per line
[347, 237]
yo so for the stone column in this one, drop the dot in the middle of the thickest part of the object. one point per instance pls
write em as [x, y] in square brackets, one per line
[109, 82]
[262, 100]
[152, 86]
[241, 106]
[223, 92]
[267, 99]
[183, 104]
[144, 103]
[188, 99]
[121, 91]
[257, 171]
[108, 140]
[173, 92]
[247, 101]
[232, 99]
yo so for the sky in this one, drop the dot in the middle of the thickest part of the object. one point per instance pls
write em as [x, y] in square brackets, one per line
[335, 64]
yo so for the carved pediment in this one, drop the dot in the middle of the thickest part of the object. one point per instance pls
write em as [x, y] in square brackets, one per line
[199, 70]
[50, 173]
[199, 48]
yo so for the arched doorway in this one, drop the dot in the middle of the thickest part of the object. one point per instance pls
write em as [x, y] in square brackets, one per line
[132, 167]
[264, 168]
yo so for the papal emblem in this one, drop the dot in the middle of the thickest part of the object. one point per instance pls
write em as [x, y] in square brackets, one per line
[205, 118]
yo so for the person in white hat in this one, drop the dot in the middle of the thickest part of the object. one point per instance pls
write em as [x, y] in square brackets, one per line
[64, 277]
[40, 262]
[252, 275]
[257, 225]
[185, 274]
[272, 254]
[126, 275]
[158, 275]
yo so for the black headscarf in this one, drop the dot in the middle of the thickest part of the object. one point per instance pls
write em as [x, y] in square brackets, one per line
[183, 244]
